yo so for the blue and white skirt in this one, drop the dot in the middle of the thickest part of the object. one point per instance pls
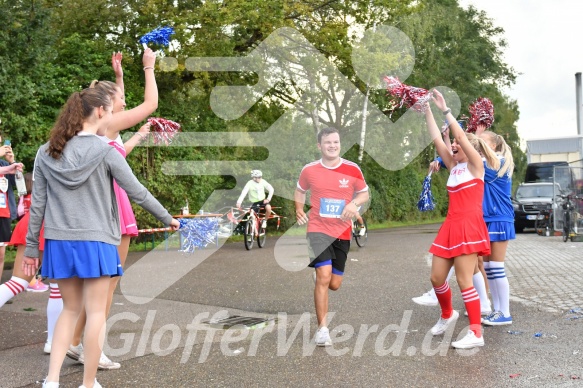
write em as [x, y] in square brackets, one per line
[65, 259]
[501, 231]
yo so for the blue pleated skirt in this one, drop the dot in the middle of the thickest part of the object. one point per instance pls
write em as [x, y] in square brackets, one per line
[501, 231]
[65, 259]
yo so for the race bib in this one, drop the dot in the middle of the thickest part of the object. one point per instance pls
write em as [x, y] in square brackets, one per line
[3, 184]
[331, 208]
[2, 201]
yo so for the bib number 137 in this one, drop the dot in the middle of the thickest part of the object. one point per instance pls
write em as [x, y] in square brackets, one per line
[331, 208]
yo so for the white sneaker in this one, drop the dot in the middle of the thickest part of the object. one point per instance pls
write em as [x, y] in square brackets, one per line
[104, 362]
[264, 224]
[48, 347]
[323, 337]
[95, 385]
[50, 384]
[469, 341]
[427, 299]
[442, 325]
[75, 352]
[362, 231]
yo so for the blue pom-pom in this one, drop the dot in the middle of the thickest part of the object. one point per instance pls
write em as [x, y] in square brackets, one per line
[426, 198]
[160, 35]
[198, 233]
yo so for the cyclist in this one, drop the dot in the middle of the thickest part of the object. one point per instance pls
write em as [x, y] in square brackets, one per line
[256, 188]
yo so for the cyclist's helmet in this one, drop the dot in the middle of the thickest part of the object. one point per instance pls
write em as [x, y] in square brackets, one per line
[256, 174]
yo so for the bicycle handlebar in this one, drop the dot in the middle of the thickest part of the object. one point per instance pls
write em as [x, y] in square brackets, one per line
[570, 196]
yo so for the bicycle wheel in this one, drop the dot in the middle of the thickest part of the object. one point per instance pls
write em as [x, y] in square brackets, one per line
[262, 236]
[249, 234]
[566, 226]
[361, 240]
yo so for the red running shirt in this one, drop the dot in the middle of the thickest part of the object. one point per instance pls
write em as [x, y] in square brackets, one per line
[331, 189]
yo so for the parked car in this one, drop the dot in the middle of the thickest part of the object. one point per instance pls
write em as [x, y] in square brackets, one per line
[530, 199]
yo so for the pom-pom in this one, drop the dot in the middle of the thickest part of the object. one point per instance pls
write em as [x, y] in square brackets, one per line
[426, 198]
[482, 113]
[160, 36]
[408, 96]
[164, 130]
[198, 232]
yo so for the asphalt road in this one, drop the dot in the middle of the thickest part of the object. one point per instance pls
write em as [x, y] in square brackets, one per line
[381, 338]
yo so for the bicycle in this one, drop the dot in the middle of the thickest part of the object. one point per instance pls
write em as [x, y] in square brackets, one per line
[360, 240]
[253, 229]
[569, 214]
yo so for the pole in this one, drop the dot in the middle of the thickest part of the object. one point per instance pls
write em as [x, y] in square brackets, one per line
[578, 102]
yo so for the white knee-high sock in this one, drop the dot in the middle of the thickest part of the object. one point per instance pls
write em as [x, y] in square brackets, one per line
[493, 288]
[12, 288]
[480, 286]
[498, 276]
[54, 308]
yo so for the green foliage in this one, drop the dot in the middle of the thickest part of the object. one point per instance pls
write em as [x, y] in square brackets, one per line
[51, 48]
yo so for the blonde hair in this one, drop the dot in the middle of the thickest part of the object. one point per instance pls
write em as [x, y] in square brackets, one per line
[482, 147]
[502, 149]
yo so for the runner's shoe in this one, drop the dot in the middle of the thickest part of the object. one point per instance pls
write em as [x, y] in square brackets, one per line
[323, 337]
[48, 347]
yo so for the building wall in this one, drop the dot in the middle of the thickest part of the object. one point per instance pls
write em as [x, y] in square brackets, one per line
[571, 157]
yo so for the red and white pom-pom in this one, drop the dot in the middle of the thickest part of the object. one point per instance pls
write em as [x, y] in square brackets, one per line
[408, 96]
[163, 130]
[482, 113]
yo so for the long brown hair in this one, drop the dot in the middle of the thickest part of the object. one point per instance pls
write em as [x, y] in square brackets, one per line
[75, 112]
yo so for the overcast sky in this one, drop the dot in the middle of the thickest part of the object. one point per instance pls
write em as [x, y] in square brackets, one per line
[544, 46]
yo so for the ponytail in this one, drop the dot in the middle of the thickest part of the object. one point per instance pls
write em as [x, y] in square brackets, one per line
[502, 149]
[482, 147]
[76, 111]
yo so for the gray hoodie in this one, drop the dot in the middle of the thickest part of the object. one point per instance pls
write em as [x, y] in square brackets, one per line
[74, 194]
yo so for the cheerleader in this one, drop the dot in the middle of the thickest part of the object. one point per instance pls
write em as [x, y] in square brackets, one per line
[121, 120]
[81, 237]
[464, 235]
